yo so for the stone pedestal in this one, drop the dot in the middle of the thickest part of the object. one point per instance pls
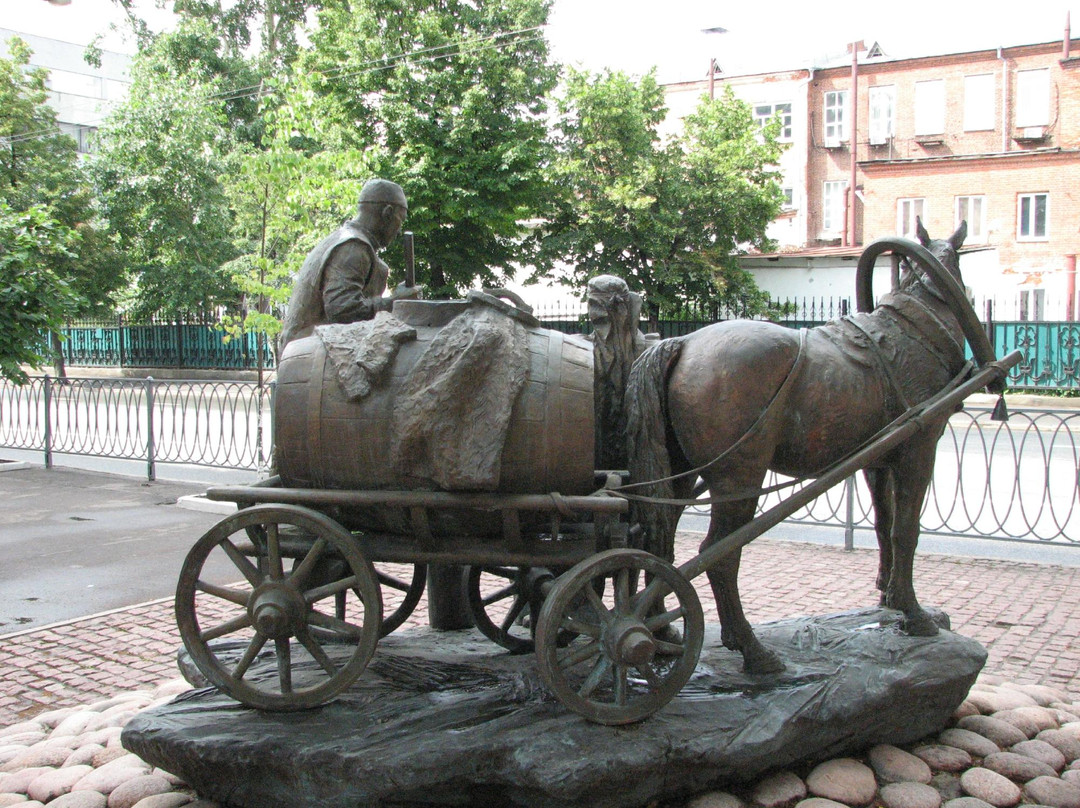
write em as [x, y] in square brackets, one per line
[449, 718]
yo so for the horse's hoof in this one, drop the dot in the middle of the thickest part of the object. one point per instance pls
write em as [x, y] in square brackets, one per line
[922, 625]
[761, 661]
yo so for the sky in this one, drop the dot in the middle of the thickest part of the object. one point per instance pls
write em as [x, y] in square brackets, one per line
[634, 35]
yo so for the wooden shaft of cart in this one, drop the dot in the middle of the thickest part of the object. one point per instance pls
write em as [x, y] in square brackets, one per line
[888, 439]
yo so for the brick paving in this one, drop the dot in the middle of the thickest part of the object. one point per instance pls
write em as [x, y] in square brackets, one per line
[1027, 615]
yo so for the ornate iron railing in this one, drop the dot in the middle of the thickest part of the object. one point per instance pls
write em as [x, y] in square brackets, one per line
[220, 424]
[1018, 481]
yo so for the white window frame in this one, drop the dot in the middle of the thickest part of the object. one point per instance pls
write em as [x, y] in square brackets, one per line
[930, 107]
[1033, 97]
[907, 210]
[979, 100]
[971, 208]
[765, 112]
[1027, 206]
[789, 198]
[835, 117]
[832, 207]
[882, 114]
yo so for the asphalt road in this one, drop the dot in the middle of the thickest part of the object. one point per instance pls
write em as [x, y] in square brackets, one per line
[79, 542]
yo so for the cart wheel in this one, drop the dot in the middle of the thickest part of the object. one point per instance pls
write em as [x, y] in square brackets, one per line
[394, 576]
[633, 650]
[274, 609]
[502, 602]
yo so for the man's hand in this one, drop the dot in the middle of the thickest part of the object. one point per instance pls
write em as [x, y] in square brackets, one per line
[403, 292]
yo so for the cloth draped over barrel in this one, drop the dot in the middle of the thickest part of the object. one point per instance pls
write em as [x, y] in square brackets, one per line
[453, 410]
[363, 352]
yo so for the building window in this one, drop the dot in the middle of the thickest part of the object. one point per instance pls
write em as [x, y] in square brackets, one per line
[1032, 215]
[1033, 97]
[763, 113]
[930, 107]
[972, 209]
[978, 102]
[882, 104]
[1032, 305]
[832, 216]
[835, 117]
[906, 212]
[788, 202]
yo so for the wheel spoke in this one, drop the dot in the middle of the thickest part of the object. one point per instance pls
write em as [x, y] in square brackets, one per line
[325, 591]
[501, 594]
[622, 591]
[578, 627]
[252, 651]
[347, 629]
[669, 648]
[603, 665]
[393, 583]
[620, 685]
[659, 621]
[228, 627]
[602, 612]
[242, 562]
[303, 569]
[273, 551]
[509, 573]
[284, 664]
[317, 652]
[513, 614]
[223, 592]
[649, 675]
[656, 588]
[580, 654]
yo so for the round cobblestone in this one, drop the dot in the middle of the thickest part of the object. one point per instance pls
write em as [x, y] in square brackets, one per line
[779, 788]
[990, 787]
[967, 802]
[1019, 768]
[1064, 742]
[844, 780]
[1041, 750]
[1001, 733]
[942, 758]
[1052, 791]
[971, 742]
[894, 765]
[909, 795]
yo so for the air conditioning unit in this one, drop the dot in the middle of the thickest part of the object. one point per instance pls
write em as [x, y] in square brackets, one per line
[833, 143]
[878, 138]
[1030, 133]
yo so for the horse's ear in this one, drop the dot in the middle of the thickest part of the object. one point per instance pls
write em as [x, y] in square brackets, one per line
[920, 232]
[957, 238]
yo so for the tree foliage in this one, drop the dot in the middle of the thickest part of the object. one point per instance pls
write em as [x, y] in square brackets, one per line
[161, 158]
[668, 215]
[449, 96]
[52, 243]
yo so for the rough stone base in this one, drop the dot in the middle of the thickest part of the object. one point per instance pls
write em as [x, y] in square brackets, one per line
[449, 718]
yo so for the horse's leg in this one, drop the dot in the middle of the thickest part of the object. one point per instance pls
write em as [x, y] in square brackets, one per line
[912, 473]
[736, 631]
[880, 483]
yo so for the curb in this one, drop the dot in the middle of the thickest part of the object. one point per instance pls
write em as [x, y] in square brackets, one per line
[74, 620]
[199, 502]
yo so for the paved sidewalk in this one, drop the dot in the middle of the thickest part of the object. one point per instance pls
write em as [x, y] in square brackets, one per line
[1027, 615]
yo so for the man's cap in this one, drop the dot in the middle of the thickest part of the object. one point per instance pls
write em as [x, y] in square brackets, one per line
[383, 192]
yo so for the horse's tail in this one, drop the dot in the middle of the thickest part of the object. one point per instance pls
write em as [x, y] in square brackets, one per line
[647, 444]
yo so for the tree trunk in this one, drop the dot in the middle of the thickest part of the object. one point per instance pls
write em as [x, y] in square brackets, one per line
[59, 370]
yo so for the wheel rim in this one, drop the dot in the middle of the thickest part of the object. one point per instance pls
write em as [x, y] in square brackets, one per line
[277, 612]
[500, 602]
[412, 589]
[620, 666]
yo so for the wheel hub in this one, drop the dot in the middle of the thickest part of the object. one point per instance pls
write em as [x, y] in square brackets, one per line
[275, 611]
[629, 642]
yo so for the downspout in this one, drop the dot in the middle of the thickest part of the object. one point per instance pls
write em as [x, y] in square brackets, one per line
[1067, 41]
[850, 233]
[1070, 288]
[1004, 99]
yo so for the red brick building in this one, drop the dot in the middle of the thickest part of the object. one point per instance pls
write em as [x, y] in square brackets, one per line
[991, 137]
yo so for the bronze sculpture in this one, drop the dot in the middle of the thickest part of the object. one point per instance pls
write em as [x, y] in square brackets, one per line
[343, 279]
[742, 397]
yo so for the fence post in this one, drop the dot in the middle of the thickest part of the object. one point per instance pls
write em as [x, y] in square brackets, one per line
[48, 422]
[849, 515]
[120, 336]
[150, 472]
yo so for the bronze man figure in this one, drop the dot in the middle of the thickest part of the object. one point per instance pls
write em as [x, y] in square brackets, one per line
[343, 278]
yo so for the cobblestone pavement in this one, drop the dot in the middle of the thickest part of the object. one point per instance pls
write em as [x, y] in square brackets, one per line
[1027, 615]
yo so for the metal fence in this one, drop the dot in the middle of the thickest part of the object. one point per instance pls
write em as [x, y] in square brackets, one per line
[1018, 481]
[221, 424]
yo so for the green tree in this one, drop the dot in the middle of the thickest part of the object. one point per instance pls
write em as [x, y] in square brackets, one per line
[286, 196]
[451, 95]
[670, 216]
[160, 161]
[40, 169]
[34, 299]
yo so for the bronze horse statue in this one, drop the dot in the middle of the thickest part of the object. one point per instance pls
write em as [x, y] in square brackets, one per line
[739, 398]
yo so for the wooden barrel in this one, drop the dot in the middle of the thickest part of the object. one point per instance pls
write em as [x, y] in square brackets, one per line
[327, 441]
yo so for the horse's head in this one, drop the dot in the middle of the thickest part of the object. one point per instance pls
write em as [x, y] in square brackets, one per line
[946, 251]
